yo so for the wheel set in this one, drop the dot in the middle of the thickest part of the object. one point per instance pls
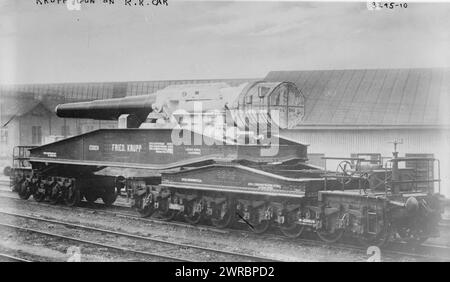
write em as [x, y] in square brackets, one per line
[259, 215]
[57, 190]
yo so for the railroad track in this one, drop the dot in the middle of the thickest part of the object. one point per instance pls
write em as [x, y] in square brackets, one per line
[121, 210]
[164, 245]
[425, 251]
[115, 210]
[393, 250]
[87, 242]
[10, 258]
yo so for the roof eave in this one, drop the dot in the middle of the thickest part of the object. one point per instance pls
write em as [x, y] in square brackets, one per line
[371, 126]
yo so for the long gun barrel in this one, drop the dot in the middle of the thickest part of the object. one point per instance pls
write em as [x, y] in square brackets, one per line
[252, 105]
[108, 109]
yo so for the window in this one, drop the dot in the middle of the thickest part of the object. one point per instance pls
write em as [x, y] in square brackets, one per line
[4, 135]
[36, 135]
[248, 99]
[280, 96]
[263, 91]
[296, 107]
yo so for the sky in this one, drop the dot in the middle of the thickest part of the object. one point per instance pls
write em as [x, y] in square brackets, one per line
[214, 39]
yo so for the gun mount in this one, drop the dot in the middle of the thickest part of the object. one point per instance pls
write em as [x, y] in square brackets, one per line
[246, 106]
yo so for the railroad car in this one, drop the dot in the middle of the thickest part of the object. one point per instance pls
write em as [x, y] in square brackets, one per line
[215, 153]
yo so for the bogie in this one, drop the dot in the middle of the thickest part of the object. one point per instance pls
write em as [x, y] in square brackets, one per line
[24, 189]
[222, 212]
[109, 196]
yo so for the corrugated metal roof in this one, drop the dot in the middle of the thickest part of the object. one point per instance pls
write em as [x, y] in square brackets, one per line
[373, 97]
[100, 90]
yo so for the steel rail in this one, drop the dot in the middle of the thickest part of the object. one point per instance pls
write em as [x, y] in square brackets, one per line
[13, 258]
[144, 238]
[395, 248]
[111, 211]
[125, 250]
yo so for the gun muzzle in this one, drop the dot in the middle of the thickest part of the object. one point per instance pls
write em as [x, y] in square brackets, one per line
[108, 109]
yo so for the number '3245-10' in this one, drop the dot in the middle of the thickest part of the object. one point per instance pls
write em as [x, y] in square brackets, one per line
[386, 5]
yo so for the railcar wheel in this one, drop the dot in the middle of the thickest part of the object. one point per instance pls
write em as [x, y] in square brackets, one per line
[380, 230]
[72, 196]
[145, 206]
[145, 212]
[90, 196]
[292, 231]
[224, 216]
[330, 237]
[290, 228]
[193, 219]
[55, 193]
[164, 213]
[328, 232]
[24, 190]
[39, 194]
[378, 240]
[109, 196]
[258, 226]
[193, 213]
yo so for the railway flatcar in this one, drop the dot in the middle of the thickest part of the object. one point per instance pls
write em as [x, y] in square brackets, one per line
[211, 152]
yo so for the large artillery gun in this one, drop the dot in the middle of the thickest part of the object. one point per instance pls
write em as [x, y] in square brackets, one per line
[217, 153]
